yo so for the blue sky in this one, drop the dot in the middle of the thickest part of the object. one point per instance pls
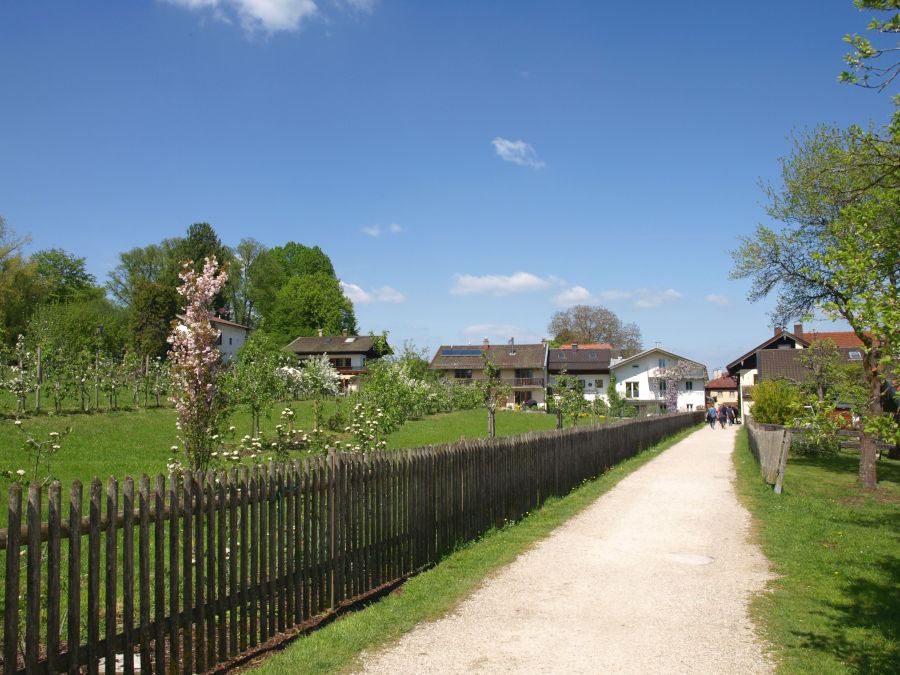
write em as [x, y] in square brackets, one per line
[469, 167]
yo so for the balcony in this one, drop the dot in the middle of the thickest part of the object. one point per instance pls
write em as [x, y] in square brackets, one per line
[514, 382]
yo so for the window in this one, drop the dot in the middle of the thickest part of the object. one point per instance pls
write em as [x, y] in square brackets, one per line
[463, 373]
[524, 373]
[340, 363]
[632, 389]
[219, 339]
[229, 340]
[581, 383]
[662, 363]
[689, 385]
[599, 384]
[854, 356]
[689, 407]
[663, 386]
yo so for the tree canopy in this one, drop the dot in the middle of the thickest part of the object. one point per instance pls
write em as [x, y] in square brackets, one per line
[594, 324]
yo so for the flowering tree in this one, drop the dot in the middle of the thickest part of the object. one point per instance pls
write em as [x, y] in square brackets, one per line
[494, 393]
[666, 380]
[318, 379]
[196, 365]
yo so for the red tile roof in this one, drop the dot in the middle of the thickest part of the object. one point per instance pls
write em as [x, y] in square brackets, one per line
[845, 338]
[724, 382]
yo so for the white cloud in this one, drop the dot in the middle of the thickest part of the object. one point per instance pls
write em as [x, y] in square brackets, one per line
[267, 15]
[467, 284]
[372, 231]
[358, 295]
[575, 295]
[517, 152]
[388, 294]
[377, 230]
[719, 300]
[644, 298]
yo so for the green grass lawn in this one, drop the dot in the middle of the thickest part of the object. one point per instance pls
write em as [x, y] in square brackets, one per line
[836, 549]
[136, 441]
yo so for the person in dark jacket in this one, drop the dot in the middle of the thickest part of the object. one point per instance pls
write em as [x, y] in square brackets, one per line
[723, 416]
[730, 412]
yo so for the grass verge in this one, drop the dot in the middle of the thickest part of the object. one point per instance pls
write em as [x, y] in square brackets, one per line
[433, 593]
[836, 550]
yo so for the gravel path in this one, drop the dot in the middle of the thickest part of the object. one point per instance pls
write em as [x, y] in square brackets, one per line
[654, 577]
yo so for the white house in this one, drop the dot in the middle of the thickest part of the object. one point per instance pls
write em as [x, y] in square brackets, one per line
[231, 336]
[643, 380]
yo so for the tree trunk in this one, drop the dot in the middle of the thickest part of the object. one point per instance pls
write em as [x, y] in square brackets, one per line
[491, 414]
[868, 474]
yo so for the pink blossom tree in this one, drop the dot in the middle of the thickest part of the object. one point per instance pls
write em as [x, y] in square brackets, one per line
[199, 405]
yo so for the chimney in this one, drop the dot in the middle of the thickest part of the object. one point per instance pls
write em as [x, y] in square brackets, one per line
[486, 344]
[574, 346]
[320, 332]
[717, 373]
[543, 342]
[512, 347]
[777, 331]
[798, 329]
[345, 333]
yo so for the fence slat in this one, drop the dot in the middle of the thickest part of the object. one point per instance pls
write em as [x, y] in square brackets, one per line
[54, 516]
[11, 596]
[112, 567]
[128, 576]
[187, 585]
[144, 569]
[73, 640]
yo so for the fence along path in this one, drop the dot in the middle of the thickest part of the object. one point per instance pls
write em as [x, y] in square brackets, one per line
[183, 573]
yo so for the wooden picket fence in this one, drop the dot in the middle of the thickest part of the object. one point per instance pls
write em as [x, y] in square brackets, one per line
[186, 573]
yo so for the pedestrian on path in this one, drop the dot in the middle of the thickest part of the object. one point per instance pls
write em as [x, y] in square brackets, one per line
[723, 416]
[730, 411]
[711, 416]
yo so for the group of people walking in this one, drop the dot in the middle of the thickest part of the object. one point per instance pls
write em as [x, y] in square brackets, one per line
[724, 414]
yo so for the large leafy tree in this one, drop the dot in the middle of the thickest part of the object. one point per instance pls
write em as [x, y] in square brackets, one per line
[594, 324]
[64, 276]
[150, 315]
[837, 250]
[156, 263]
[20, 291]
[306, 304]
[256, 278]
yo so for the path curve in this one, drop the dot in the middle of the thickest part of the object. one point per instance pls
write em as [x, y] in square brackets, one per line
[653, 577]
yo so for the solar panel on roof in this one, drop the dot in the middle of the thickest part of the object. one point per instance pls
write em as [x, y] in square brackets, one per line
[461, 352]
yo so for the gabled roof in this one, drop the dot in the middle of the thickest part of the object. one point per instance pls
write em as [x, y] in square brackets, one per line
[785, 364]
[581, 346]
[333, 344]
[782, 337]
[226, 322]
[724, 382]
[588, 359]
[657, 350]
[451, 357]
[846, 338]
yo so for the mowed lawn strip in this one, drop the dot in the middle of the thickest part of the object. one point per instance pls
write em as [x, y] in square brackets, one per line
[430, 595]
[836, 549]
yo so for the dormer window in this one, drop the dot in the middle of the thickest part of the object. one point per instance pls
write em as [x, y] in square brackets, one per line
[855, 356]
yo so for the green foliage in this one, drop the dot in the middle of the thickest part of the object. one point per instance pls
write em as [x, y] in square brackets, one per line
[156, 263]
[615, 401]
[64, 276]
[252, 381]
[150, 316]
[569, 396]
[776, 402]
[94, 325]
[305, 304]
